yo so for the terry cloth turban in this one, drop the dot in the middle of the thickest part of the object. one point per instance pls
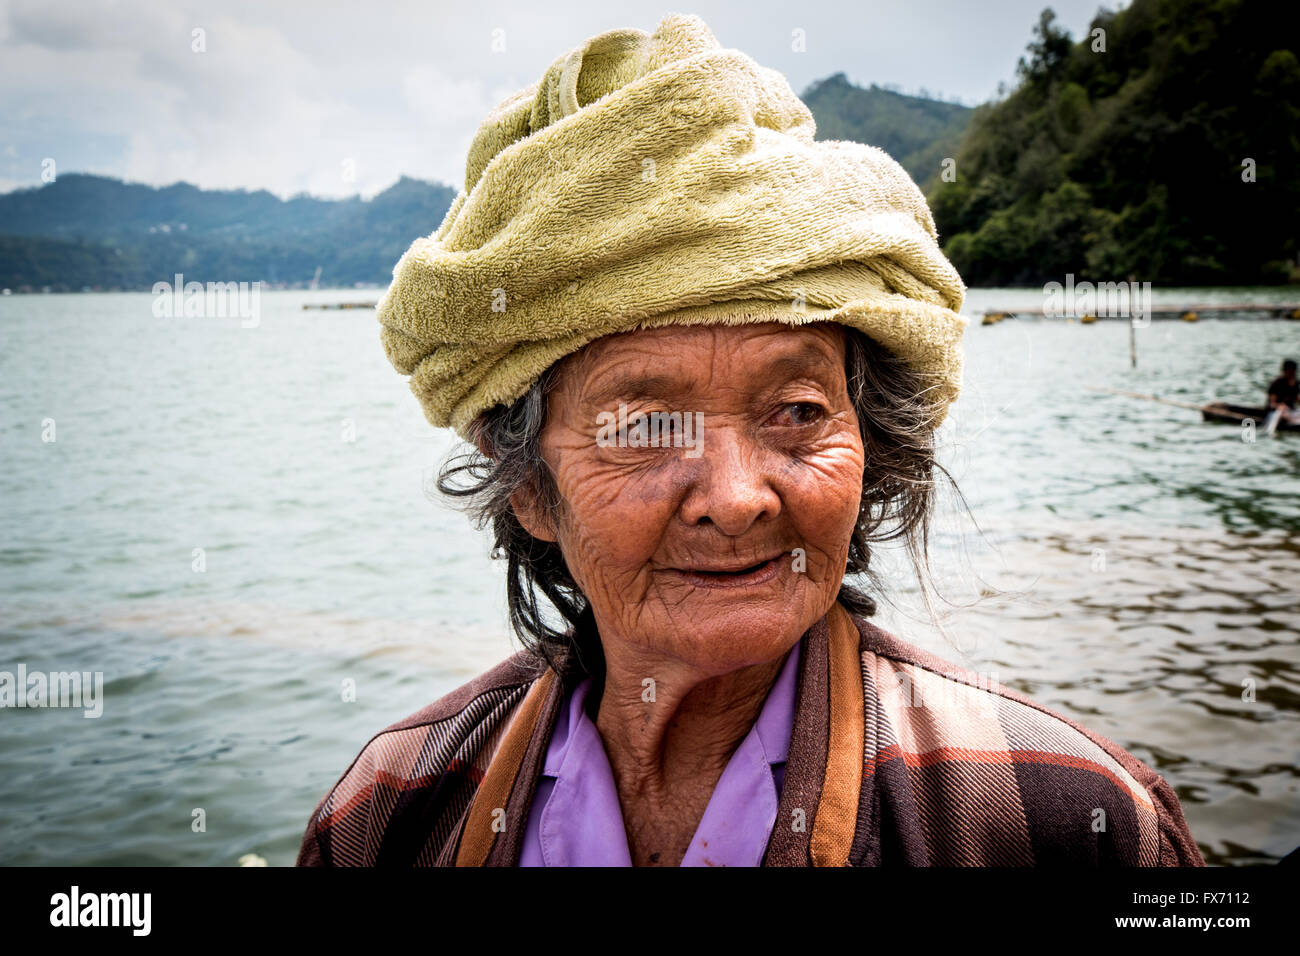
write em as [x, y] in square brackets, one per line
[660, 179]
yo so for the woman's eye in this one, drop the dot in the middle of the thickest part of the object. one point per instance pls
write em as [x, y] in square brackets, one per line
[800, 413]
[656, 429]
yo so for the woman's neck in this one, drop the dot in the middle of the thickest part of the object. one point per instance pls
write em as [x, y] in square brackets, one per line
[669, 731]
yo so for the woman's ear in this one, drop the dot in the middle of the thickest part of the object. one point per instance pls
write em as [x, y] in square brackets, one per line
[535, 519]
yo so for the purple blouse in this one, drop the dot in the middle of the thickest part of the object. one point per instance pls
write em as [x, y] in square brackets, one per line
[576, 819]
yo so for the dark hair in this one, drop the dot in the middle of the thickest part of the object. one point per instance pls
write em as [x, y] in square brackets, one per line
[1288, 365]
[896, 419]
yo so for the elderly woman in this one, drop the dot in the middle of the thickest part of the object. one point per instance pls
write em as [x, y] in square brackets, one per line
[702, 358]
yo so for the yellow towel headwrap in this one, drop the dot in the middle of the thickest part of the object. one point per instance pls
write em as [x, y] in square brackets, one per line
[653, 179]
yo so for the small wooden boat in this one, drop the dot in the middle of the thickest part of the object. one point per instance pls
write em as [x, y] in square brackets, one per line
[1224, 414]
[1216, 413]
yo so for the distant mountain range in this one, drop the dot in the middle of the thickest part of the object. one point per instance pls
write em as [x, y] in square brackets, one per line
[94, 231]
[85, 231]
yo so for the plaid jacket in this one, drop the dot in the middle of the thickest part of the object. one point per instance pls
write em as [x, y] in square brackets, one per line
[896, 758]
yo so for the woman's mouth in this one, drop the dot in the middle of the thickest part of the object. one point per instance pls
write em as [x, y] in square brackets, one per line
[751, 576]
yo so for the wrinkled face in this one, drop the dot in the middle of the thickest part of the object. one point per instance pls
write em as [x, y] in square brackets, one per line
[718, 536]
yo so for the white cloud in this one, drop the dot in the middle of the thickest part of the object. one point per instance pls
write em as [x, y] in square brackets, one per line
[287, 91]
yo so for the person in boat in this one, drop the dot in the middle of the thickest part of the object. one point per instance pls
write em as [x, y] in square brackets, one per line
[1284, 394]
[651, 230]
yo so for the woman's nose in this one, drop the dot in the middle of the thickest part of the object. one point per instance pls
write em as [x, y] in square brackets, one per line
[732, 486]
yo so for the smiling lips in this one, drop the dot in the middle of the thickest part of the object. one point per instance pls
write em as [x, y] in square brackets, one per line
[732, 568]
[730, 576]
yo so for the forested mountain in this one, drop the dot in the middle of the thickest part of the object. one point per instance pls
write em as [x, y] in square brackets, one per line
[1166, 146]
[916, 131]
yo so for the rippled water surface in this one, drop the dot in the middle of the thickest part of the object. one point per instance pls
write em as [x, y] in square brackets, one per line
[1133, 568]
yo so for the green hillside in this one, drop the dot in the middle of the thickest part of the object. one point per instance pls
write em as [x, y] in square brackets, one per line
[917, 132]
[1130, 161]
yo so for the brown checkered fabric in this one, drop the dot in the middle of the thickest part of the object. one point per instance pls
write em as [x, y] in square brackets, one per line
[896, 758]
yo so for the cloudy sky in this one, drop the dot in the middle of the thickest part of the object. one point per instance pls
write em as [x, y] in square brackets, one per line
[336, 99]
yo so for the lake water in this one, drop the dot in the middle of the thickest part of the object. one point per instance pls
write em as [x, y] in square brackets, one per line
[1133, 568]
